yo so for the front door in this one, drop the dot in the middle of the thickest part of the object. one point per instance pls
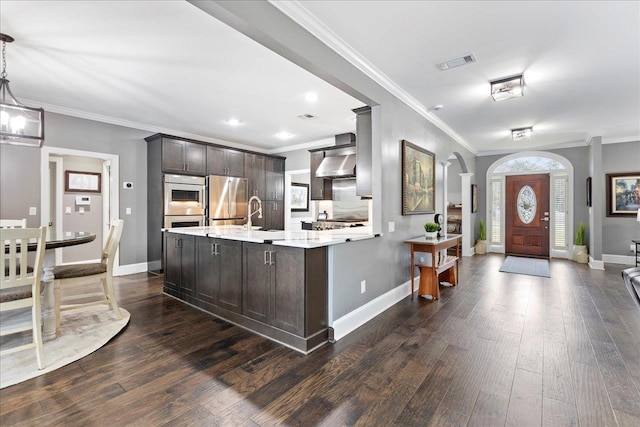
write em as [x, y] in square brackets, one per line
[527, 215]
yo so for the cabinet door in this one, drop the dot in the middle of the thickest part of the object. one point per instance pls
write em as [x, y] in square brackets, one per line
[320, 188]
[254, 171]
[256, 281]
[274, 215]
[274, 176]
[287, 289]
[207, 270]
[216, 161]
[187, 264]
[235, 163]
[173, 155]
[230, 289]
[172, 255]
[195, 158]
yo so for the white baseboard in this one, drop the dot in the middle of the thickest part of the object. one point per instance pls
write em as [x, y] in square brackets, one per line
[619, 259]
[130, 269]
[596, 265]
[358, 317]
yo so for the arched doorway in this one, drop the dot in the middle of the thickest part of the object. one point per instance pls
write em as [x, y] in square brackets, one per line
[560, 199]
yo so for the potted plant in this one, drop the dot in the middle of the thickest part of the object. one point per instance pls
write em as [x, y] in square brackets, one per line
[481, 244]
[431, 230]
[580, 253]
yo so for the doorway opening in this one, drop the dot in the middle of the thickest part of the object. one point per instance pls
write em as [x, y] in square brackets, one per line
[63, 212]
[560, 199]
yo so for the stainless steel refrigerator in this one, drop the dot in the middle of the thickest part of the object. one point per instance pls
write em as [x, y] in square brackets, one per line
[227, 203]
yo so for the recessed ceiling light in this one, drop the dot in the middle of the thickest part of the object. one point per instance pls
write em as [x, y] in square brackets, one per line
[311, 97]
[507, 88]
[521, 133]
[233, 122]
[306, 116]
[437, 107]
[284, 135]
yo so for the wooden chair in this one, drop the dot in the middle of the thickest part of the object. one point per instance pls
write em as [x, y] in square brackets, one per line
[13, 223]
[74, 273]
[20, 287]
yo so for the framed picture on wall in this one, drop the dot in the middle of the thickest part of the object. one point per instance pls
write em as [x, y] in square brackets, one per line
[299, 197]
[623, 194]
[418, 180]
[474, 198]
[82, 182]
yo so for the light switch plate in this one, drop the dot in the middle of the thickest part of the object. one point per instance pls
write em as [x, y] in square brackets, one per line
[33, 210]
[128, 211]
[392, 226]
[67, 210]
[81, 210]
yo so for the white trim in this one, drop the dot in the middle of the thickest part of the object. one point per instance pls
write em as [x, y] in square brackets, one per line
[619, 259]
[48, 151]
[123, 270]
[567, 172]
[300, 15]
[595, 265]
[465, 182]
[361, 315]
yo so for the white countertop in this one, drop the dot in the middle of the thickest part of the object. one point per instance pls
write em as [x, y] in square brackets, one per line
[299, 238]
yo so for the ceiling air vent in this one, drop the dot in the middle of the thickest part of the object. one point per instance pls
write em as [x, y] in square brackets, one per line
[457, 62]
[306, 117]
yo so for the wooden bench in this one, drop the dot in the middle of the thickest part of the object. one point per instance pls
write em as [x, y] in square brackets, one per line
[430, 277]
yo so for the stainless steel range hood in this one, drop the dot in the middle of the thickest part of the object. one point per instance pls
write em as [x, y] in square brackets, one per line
[341, 166]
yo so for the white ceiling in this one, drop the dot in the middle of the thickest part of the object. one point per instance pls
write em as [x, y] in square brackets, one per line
[167, 66]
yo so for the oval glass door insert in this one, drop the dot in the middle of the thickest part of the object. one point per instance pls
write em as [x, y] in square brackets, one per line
[526, 204]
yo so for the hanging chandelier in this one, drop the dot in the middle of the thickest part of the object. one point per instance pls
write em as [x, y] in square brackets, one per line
[19, 124]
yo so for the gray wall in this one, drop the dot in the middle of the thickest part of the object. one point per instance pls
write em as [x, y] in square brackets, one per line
[454, 183]
[579, 158]
[617, 232]
[20, 174]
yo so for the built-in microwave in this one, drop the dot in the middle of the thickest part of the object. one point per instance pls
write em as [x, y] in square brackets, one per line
[184, 195]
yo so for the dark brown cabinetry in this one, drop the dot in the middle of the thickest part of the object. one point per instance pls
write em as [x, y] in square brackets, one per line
[183, 157]
[273, 214]
[364, 152]
[254, 172]
[274, 177]
[224, 161]
[277, 287]
[179, 262]
[320, 188]
[219, 272]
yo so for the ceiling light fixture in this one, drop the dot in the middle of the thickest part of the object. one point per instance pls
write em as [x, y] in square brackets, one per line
[437, 107]
[311, 97]
[521, 133]
[233, 122]
[507, 88]
[283, 135]
[19, 124]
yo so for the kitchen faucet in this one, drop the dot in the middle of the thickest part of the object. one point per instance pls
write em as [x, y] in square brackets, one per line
[250, 214]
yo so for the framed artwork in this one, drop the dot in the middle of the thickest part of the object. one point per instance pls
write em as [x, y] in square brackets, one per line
[82, 182]
[623, 194]
[418, 180]
[589, 191]
[299, 197]
[474, 198]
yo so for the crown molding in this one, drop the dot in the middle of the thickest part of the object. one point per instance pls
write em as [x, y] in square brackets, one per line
[51, 108]
[299, 14]
[327, 142]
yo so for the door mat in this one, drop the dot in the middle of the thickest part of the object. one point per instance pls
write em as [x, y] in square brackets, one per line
[528, 266]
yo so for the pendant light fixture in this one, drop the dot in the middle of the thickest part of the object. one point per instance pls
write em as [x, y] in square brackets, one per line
[19, 124]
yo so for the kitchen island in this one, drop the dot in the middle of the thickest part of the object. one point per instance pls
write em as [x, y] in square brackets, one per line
[274, 283]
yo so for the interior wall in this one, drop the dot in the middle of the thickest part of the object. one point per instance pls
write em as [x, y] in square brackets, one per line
[454, 183]
[82, 218]
[20, 174]
[617, 232]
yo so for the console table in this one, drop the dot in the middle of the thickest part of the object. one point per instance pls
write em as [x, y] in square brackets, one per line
[440, 262]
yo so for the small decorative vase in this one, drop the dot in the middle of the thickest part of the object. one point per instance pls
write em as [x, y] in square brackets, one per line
[431, 234]
[481, 247]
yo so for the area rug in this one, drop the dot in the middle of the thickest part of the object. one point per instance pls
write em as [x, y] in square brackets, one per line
[82, 332]
[528, 266]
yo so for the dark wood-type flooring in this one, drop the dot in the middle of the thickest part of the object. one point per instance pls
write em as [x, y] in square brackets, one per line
[499, 349]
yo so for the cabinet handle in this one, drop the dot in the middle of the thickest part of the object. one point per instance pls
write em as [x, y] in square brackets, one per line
[217, 249]
[271, 260]
[178, 243]
[275, 206]
[267, 261]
